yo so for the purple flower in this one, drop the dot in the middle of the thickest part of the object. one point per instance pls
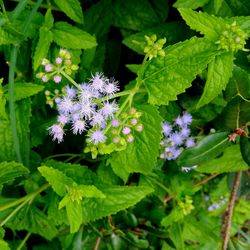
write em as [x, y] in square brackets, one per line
[79, 126]
[186, 118]
[109, 109]
[190, 142]
[57, 78]
[62, 119]
[48, 67]
[185, 132]
[97, 136]
[57, 132]
[126, 130]
[111, 87]
[98, 119]
[166, 128]
[130, 138]
[176, 139]
[86, 109]
[139, 127]
[45, 78]
[65, 105]
[70, 91]
[115, 123]
[58, 60]
[134, 121]
[98, 82]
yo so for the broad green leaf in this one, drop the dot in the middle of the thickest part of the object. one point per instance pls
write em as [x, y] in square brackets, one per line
[75, 215]
[117, 199]
[240, 8]
[192, 4]
[172, 31]
[57, 179]
[24, 90]
[175, 215]
[33, 220]
[245, 149]
[206, 149]
[70, 37]
[171, 75]
[4, 245]
[72, 8]
[135, 15]
[161, 8]
[133, 67]
[210, 26]
[44, 41]
[10, 170]
[219, 72]
[230, 161]
[235, 114]
[141, 155]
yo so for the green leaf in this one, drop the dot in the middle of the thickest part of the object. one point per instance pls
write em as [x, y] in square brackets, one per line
[141, 155]
[33, 220]
[169, 76]
[117, 199]
[210, 26]
[172, 31]
[57, 179]
[219, 72]
[4, 245]
[70, 37]
[75, 216]
[245, 149]
[24, 90]
[42, 47]
[135, 15]
[72, 8]
[206, 149]
[192, 4]
[10, 170]
[230, 161]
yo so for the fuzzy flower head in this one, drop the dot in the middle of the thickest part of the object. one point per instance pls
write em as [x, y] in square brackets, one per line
[57, 132]
[97, 136]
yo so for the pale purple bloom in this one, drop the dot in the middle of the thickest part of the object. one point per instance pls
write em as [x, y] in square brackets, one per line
[139, 127]
[176, 139]
[86, 92]
[58, 60]
[134, 121]
[115, 123]
[178, 121]
[166, 128]
[126, 130]
[97, 136]
[45, 78]
[98, 82]
[65, 105]
[48, 67]
[79, 126]
[98, 119]
[62, 119]
[57, 78]
[86, 109]
[57, 100]
[206, 198]
[186, 118]
[185, 132]
[109, 109]
[190, 142]
[70, 91]
[57, 132]
[130, 138]
[111, 87]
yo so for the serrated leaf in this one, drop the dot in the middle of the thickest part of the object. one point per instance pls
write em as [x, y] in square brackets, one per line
[10, 170]
[57, 179]
[166, 77]
[245, 149]
[70, 37]
[135, 15]
[48, 20]
[230, 161]
[219, 72]
[75, 216]
[210, 26]
[117, 199]
[24, 90]
[33, 220]
[42, 47]
[192, 4]
[206, 149]
[72, 8]
[141, 155]
[172, 31]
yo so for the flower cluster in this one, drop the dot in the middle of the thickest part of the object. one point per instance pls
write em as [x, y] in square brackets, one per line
[216, 205]
[154, 47]
[233, 38]
[186, 206]
[86, 107]
[63, 63]
[52, 97]
[176, 137]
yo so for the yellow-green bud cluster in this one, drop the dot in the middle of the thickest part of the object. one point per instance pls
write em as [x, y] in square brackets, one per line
[123, 128]
[53, 71]
[52, 97]
[154, 47]
[187, 205]
[233, 38]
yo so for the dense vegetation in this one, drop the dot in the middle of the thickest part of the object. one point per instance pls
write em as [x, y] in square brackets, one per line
[124, 124]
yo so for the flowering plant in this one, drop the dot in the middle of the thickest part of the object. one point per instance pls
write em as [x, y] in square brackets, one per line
[97, 153]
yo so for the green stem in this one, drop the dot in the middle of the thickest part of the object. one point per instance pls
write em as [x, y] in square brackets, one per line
[19, 8]
[61, 155]
[28, 197]
[70, 79]
[11, 90]
[159, 184]
[23, 241]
